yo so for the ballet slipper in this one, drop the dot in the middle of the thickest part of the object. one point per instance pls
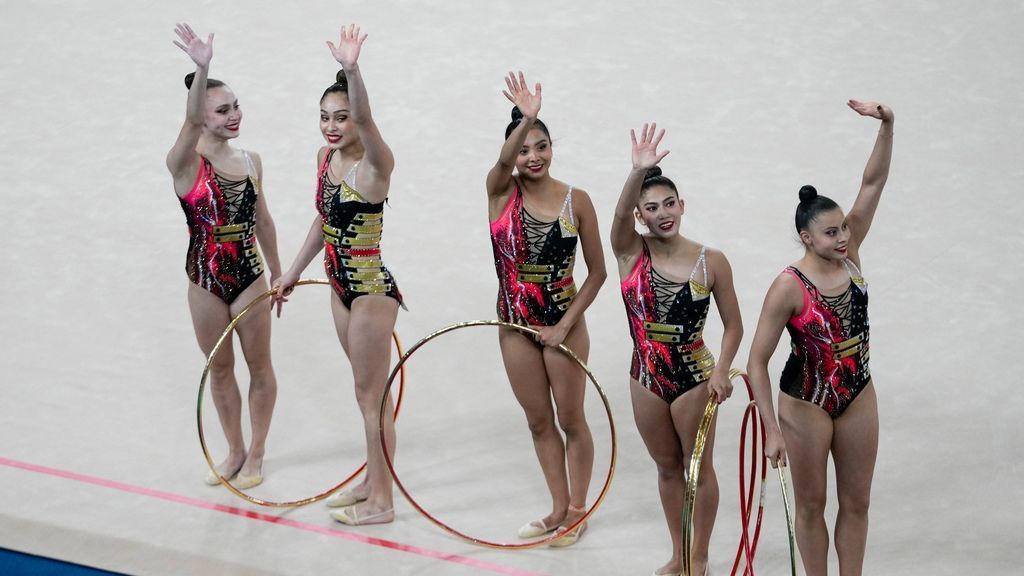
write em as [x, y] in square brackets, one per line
[351, 517]
[535, 529]
[344, 498]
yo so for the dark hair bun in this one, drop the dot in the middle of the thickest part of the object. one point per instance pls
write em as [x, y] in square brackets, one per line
[188, 79]
[652, 172]
[807, 194]
[340, 78]
[517, 114]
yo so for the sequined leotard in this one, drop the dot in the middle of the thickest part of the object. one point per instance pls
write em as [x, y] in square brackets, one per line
[534, 261]
[221, 216]
[828, 365]
[666, 320]
[352, 230]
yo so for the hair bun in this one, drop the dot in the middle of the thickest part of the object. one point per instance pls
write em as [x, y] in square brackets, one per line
[807, 193]
[188, 79]
[517, 114]
[340, 78]
[652, 172]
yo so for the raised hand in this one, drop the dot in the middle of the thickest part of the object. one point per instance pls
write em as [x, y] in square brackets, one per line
[873, 109]
[520, 96]
[200, 52]
[347, 50]
[645, 152]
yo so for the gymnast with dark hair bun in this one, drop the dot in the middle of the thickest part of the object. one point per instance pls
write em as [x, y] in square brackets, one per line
[220, 190]
[536, 222]
[353, 181]
[667, 284]
[827, 402]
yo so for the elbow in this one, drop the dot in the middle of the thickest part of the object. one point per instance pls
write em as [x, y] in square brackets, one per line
[598, 276]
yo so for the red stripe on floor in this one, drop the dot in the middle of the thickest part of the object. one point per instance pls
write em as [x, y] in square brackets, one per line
[113, 484]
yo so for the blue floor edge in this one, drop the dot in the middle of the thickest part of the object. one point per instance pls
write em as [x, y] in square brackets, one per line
[13, 563]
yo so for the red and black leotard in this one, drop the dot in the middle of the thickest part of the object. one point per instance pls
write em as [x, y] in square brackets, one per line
[534, 261]
[352, 231]
[221, 216]
[666, 320]
[828, 365]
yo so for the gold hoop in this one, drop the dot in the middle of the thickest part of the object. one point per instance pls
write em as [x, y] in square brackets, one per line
[694, 475]
[472, 539]
[202, 388]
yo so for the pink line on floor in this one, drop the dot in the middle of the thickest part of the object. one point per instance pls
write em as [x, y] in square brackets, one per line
[455, 558]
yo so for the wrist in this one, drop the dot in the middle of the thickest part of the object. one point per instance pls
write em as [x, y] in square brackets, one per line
[350, 68]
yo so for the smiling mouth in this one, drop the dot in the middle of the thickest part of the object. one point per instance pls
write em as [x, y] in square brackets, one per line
[333, 138]
[536, 168]
[232, 127]
[666, 225]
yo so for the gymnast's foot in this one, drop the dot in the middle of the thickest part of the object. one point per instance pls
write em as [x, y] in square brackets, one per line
[228, 468]
[364, 513]
[349, 497]
[542, 526]
[251, 473]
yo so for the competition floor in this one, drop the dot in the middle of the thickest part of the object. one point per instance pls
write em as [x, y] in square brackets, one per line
[99, 459]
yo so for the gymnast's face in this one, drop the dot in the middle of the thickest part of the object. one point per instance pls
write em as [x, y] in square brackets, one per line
[223, 115]
[336, 121]
[535, 155]
[828, 236]
[661, 210]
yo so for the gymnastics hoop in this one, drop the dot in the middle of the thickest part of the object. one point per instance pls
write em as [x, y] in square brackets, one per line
[691, 484]
[202, 388]
[748, 546]
[471, 539]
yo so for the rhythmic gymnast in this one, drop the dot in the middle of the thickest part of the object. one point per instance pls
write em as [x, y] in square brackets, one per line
[536, 222]
[353, 181]
[827, 402]
[220, 190]
[667, 284]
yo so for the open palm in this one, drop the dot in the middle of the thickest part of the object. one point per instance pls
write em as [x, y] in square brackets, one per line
[645, 152]
[200, 52]
[873, 109]
[347, 50]
[519, 94]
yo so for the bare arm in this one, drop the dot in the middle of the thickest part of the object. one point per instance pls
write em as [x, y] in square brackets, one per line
[182, 159]
[266, 232]
[729, 309]
[310, 248]
[779, 306]
[378, 157]
[875, 173]
[499, 178]
[593, 255]
[625, 240]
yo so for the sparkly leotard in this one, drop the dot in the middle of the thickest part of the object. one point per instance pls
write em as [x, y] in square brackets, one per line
[666, 320]
[352, 231]
[534, 261]
[221, 216]
[828, 365]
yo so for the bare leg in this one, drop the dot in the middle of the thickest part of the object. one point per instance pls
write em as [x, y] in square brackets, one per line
[687, 413]
[654, 421]
[254, 335]
[370, 324]
[568, 385]
[524, 364]
[807, 430]
[854, 449]
[209, 318]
